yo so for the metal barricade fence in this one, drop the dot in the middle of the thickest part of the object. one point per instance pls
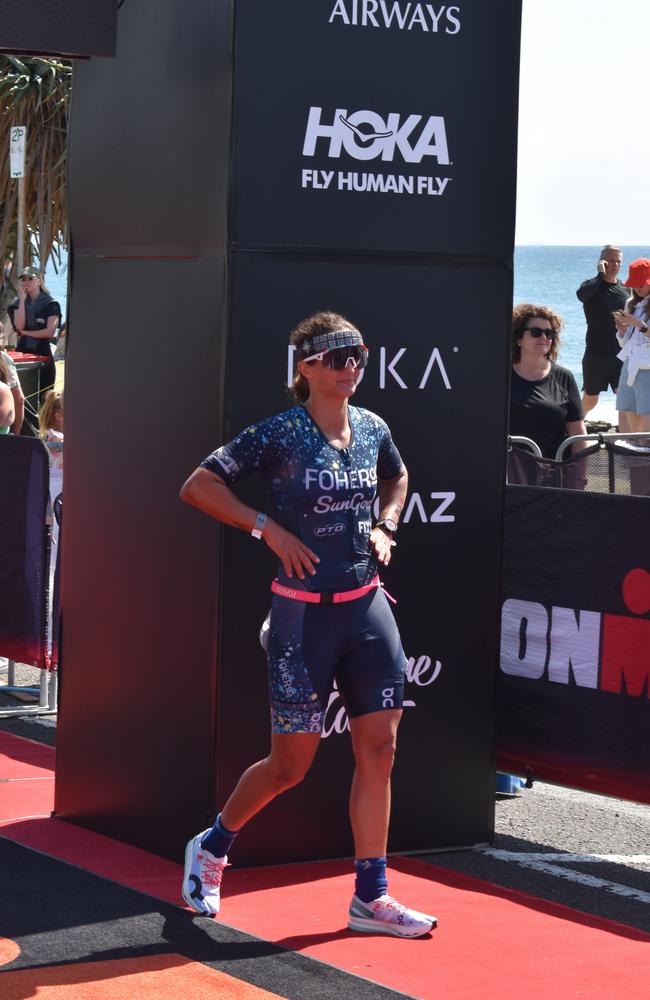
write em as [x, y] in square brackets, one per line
[614, 463]
[526, 466]
[528, 443]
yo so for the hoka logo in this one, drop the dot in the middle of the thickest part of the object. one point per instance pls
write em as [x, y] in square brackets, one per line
[365, 135]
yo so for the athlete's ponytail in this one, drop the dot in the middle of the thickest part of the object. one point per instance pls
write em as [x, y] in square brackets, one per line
[299, 388]
[313, 326]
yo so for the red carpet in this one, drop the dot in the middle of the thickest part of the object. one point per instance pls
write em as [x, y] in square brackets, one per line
[492, 942]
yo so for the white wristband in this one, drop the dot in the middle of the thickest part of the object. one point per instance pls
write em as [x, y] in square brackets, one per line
[259, 526]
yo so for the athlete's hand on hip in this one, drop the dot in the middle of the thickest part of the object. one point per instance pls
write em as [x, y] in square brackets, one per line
[295, 556]
[381, 544]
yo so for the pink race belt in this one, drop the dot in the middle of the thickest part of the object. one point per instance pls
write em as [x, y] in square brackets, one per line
[312, 597]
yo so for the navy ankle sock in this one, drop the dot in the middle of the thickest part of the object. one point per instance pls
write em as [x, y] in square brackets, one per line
[371, 881]
[219, 839]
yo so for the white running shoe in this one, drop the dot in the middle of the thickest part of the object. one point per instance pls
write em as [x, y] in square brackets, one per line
[386, 916]
[202, 879]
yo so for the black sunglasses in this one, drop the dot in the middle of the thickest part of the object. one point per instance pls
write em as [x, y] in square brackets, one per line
[339, 358]
[539, 331]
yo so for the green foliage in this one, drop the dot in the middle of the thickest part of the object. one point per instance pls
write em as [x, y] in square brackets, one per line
[35, 92]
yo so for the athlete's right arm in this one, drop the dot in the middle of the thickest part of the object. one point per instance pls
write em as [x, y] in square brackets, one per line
[209, 493]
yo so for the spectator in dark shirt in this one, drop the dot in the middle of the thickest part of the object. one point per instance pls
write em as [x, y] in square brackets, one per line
[602, 296]
[36, 316]
[544, 398]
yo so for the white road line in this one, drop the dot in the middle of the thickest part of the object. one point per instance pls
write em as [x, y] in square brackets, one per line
[532, 861]
[615, 859]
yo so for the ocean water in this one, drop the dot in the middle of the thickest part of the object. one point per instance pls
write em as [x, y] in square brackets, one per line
[544, 275]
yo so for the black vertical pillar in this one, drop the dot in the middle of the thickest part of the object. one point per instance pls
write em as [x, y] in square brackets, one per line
[148, 189]
[372, 172]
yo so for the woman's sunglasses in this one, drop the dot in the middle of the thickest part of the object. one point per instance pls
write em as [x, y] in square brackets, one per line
[340, 358]
[539, 331]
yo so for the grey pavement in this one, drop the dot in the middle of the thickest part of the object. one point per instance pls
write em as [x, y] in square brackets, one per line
[585, 851]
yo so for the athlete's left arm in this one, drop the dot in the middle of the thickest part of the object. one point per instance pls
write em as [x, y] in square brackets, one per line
[392, 497]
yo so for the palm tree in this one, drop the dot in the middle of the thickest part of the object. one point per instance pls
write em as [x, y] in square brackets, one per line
[34, 92]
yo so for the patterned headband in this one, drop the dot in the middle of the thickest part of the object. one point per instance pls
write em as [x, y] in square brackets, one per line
[330, 341]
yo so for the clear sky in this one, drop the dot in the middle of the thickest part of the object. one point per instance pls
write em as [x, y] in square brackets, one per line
[584, 123]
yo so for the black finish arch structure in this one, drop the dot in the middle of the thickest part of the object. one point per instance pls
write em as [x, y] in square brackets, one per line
[77, 28]
[278, 158]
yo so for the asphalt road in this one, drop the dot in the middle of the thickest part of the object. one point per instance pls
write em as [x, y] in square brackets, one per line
[585, 851]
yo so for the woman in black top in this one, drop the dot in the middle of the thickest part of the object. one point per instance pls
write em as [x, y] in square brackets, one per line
[544, 398]
[36, 316]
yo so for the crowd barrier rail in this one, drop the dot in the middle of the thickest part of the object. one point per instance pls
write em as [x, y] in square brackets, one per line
[525, 442]
[603, 440]
[611, 463]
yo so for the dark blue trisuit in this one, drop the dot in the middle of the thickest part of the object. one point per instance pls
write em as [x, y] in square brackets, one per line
[324, 496]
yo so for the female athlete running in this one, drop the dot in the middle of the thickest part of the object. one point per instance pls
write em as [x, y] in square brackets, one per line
[323, 463]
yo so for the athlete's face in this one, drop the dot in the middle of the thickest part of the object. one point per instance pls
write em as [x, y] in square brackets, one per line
[328, 382]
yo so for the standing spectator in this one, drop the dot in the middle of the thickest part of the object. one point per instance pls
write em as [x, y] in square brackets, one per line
[601, 297]
[544, 398]
[35, 317]
[634, 337]
[9, 376]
